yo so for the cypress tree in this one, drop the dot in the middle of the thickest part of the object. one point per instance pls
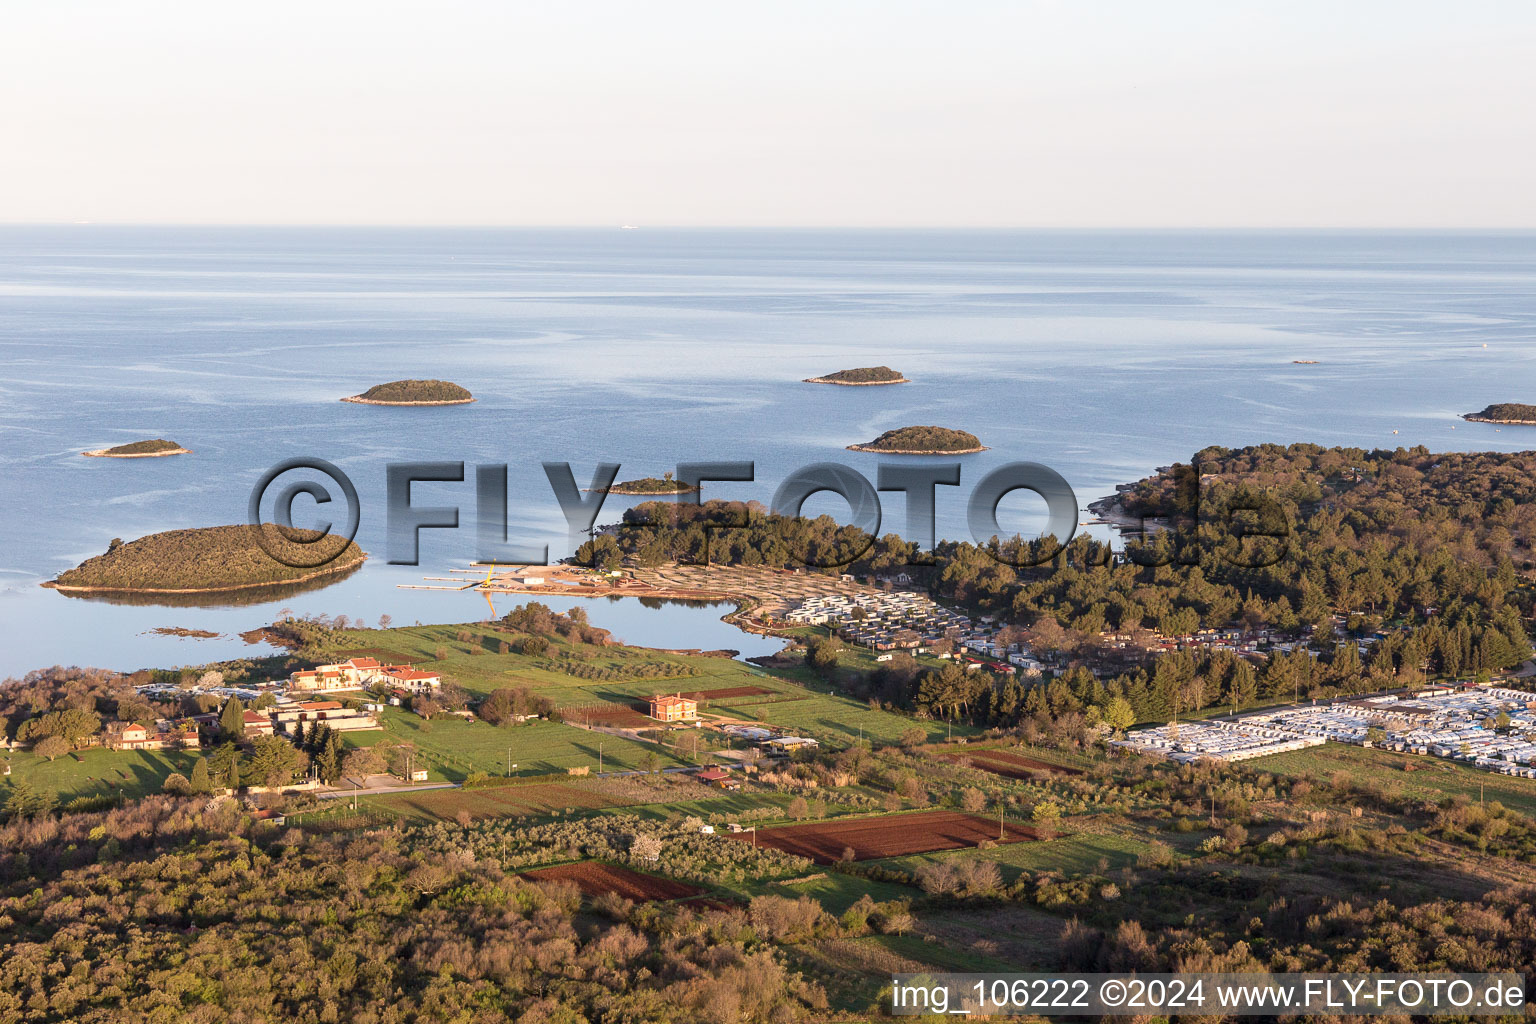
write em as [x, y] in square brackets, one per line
[232, 719]
[329, 760]
[200, 781]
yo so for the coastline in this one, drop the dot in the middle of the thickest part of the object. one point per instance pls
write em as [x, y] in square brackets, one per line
[854, 383]
[915, 451]
[1111, 513]
[65, 588]
[1473, 417]
[661, 494]
[107, 453]
[360, 400]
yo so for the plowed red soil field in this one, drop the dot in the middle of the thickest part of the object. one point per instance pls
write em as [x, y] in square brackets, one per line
[618, 718]
[886, 835]
[729, 691]
[1008, 764]
[594, 879]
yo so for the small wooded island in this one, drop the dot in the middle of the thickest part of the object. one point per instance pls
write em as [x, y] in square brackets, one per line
[414, 392]
[922, 441]
[861, 376]
[651, 485]
[152, 449]
[1505, 412]
[206, 559]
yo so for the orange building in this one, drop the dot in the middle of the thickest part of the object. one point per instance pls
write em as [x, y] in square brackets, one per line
[674, 708]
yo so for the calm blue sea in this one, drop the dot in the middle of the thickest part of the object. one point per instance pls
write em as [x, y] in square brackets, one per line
[1100, 354]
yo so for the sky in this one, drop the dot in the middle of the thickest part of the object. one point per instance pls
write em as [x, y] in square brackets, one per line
[1023, 113]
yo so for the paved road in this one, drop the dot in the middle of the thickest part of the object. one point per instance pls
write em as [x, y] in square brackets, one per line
[342, 794]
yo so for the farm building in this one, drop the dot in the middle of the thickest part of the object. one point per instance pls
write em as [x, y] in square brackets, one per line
[718, 778]
[789, 744]
[673, 708]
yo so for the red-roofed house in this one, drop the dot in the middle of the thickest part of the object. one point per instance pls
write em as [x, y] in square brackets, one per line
[257, 724]
[126, 736]
[165, 735]
[674, 708]
[353, 674]
[719, 778]
[411, 680]
[325, 679]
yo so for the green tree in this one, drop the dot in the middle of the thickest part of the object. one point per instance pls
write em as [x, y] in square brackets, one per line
[232, 719]
[224, 766]
[274, 762]
[51, 747]
[1119, 715]
[74, 725]
[200, 781]
[1046, 812]
[821, 653]
[26, 801]
[329, 758]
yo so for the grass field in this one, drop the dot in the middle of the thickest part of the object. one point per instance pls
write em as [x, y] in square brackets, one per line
[99, 771]
[833, 890]
[453, 747]
[1433, 778]
[804, 705]
[839, 721]
[478, 665]
[1071, 855]
[498, 802]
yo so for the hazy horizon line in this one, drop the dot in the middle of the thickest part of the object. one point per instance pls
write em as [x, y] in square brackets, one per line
[1072, 228]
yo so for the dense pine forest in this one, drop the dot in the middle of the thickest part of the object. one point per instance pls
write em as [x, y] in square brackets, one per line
[1430, 553]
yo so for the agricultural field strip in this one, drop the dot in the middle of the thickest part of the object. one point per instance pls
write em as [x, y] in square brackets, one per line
[887, 835]
[595, 879]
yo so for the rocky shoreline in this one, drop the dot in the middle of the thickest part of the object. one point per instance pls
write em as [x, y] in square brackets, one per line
[1111, 512]
[916, 451]
[854, 383]
[107, 453]
[360, 400]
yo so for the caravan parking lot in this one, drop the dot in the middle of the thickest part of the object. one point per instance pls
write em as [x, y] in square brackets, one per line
[1490, 727]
